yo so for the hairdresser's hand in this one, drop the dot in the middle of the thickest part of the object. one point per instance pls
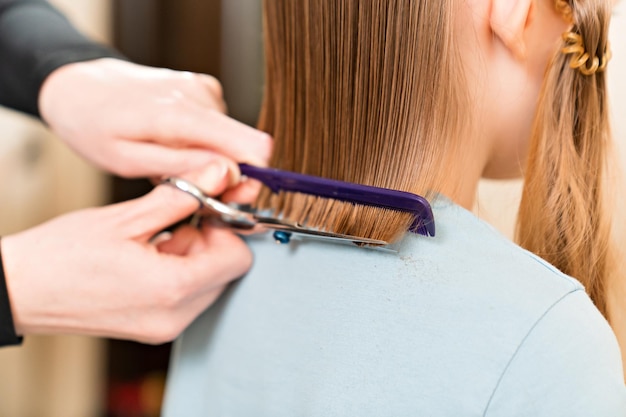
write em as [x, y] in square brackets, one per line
[137, 121]
[96, 271]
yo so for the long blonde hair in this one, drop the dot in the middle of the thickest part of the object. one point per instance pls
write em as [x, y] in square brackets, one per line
[563, 215]
[361, 91]
[372, 92]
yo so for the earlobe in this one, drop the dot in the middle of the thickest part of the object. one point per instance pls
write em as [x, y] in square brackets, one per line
[508, 20]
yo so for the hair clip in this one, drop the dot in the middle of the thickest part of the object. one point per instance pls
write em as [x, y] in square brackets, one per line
[581, 58]
[575, 45]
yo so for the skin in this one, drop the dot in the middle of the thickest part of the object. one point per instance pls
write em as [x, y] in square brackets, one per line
[150, 121]
[516, 39]
[98, 271]
[508, 44]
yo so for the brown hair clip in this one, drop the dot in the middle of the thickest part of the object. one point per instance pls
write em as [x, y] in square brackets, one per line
[575, 46]
[581, 59]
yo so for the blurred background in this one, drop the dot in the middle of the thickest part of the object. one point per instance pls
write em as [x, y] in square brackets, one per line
[39, 178]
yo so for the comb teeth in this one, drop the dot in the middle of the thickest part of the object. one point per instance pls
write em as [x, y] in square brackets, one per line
[278, 180]
[422, 227]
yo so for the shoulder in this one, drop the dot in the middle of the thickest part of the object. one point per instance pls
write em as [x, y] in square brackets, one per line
[556, 355]
[474, 248]
[567, 364]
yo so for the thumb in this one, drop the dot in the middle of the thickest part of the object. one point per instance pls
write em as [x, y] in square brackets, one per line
[166, 205]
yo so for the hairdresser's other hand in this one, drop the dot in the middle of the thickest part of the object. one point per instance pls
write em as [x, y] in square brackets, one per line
[137, 121]
[97, 272]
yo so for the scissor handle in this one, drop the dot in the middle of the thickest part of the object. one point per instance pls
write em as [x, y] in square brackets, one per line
[210, 206]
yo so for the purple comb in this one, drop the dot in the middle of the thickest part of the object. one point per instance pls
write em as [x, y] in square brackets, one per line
[277, 180]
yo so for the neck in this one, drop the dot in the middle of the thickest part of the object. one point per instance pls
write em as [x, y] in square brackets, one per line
[461, 184]
[463, 195]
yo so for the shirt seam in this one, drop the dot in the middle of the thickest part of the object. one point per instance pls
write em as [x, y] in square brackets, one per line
[519, 347]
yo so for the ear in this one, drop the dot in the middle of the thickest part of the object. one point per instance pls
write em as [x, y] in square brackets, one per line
[508, 20]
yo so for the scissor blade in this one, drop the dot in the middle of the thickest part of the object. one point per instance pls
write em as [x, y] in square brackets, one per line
[294, 227]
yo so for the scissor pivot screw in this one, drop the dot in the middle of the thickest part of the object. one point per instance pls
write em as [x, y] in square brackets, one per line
[282, 237]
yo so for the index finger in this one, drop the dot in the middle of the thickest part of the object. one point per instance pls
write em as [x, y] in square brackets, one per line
[196, 126]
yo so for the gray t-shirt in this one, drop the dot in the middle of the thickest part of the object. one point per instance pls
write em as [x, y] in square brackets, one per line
[462, 324]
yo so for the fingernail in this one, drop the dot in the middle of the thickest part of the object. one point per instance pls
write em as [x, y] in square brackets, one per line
[212, 175]
[160, 238]
[234, 174]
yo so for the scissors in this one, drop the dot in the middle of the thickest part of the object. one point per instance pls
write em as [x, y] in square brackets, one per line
[278, 180]
[238, 219]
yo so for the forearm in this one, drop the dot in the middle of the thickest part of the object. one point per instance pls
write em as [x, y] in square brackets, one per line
[35, 40]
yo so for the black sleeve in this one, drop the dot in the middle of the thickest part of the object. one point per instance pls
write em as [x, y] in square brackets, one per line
[35, 40]
[7, 329]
